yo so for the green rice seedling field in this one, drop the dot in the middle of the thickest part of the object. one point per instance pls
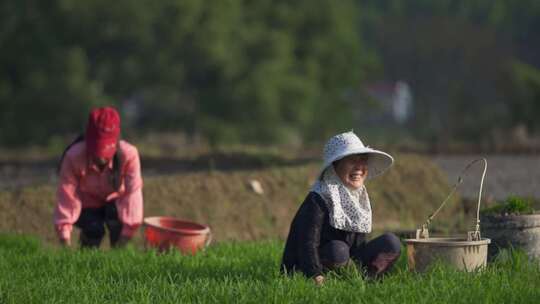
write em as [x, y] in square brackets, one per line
[239, 272]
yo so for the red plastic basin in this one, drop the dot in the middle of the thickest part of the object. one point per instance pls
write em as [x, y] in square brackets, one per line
[164, 233]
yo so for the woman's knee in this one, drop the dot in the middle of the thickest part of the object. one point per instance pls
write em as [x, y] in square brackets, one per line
[390, 242]
[334, 254]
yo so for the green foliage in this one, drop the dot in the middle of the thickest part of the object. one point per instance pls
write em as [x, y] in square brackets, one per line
[232, 71]
[19, 244]
[458, 57]
[42, 76]
[512, 205]
[275, 70]
[524, 91]
[265, 71]
[246, 272]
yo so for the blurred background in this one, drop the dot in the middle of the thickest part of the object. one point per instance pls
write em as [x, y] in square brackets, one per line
[437, 73]
[448, 79]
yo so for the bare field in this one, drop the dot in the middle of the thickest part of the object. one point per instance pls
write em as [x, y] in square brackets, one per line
[215, 190]
[506, 175]
[180, 187]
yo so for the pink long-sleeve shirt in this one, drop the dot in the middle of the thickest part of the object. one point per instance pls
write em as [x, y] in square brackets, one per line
[83, 185]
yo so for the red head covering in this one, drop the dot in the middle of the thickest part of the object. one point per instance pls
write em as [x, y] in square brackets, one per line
[102, 132]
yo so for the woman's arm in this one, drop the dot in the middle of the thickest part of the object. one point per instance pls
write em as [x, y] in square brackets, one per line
[309, 235]
[68, 206]
[130, 203]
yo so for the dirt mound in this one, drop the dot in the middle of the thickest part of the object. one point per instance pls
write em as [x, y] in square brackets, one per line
[225, 200]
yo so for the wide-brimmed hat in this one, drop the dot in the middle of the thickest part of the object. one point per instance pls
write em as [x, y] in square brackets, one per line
[102, 132]
[345, 144]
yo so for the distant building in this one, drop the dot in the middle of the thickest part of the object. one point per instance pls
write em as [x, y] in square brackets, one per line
[393, 102]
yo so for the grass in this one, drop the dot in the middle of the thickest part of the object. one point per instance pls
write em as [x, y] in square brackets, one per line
[515, 205]
[232, 272]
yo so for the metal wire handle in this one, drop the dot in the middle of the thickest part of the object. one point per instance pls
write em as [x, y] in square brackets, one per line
[472, 235]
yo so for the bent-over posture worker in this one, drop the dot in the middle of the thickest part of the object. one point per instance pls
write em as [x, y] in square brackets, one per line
[100, 185]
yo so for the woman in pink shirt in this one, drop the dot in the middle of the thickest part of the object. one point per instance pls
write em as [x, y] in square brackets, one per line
[100, 185]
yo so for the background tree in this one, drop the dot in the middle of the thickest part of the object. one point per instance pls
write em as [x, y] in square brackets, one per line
[264, 71]
[457, 56]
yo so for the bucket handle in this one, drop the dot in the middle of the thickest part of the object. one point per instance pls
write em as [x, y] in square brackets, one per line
[208, 239]
[423, 232]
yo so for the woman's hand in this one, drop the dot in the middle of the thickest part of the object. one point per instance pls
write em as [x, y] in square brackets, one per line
[319, 280]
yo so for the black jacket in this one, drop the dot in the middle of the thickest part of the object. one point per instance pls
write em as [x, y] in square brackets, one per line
[309, 230]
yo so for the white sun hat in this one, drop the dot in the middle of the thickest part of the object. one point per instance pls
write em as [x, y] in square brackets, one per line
[345, 144]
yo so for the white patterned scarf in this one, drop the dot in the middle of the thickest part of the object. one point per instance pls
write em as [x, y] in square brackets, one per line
[350, 210]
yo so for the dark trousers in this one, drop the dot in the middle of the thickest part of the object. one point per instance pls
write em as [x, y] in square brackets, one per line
[92, 223]
[376, 256]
